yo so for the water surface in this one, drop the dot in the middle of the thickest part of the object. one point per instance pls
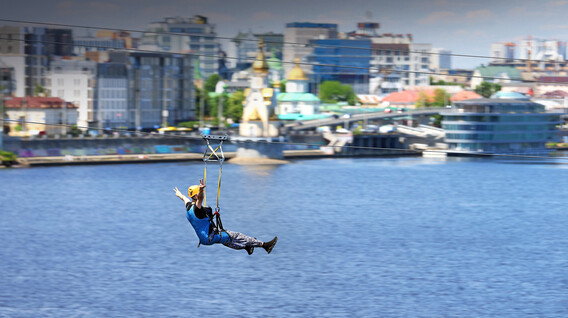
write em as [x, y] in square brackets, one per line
[407, 237]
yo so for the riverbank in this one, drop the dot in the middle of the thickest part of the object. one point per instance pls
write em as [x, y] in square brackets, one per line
[179, 157]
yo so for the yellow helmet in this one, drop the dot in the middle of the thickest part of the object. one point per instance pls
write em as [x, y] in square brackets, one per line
[193, 190]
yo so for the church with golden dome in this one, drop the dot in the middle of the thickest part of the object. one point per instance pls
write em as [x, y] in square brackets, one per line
[297, 102]
[259, 101]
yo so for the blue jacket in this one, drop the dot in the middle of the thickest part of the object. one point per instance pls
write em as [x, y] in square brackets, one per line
[204, 229]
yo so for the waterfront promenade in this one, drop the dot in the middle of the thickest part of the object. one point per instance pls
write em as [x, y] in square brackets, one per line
[152, 158]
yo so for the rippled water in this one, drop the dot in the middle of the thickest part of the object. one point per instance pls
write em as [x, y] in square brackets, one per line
[405, 237]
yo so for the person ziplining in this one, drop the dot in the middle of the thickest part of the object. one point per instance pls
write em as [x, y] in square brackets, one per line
[206, 223]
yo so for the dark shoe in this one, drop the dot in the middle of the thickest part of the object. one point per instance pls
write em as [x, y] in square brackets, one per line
[269, 245]
[250, 249]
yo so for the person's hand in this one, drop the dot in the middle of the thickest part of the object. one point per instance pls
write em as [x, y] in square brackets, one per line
[201, 185]
[178, 193]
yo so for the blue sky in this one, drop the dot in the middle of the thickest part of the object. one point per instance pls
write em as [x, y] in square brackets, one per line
[464, 27]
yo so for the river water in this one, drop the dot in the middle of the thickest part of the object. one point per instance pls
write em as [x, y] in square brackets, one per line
[404, 237]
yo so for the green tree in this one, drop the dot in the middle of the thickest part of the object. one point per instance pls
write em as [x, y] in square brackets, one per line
[212, 105]
[198, 94]
[437, 120]
[39, 90]
[283, 86]
[486, 89]
[441, 98]
[443, 83]
[211, 82]
[234, 108]
[423, 100]
[334, 91]
[8, 158]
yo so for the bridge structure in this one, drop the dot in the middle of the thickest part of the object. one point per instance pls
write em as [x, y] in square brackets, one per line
[365, 117]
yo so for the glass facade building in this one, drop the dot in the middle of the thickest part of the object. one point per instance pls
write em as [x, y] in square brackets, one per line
[346, 61]
[499, 126]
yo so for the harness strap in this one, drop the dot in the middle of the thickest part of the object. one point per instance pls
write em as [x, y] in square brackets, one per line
[214, 218]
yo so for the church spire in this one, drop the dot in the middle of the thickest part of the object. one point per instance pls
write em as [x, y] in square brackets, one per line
[260, 66]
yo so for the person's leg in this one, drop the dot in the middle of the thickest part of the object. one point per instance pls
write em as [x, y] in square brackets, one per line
[240, 241]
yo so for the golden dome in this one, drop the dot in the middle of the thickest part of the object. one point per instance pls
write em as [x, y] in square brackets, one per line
[260, 65]
[297, 74]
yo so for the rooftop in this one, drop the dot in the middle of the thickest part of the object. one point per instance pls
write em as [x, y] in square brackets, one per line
[38, 102]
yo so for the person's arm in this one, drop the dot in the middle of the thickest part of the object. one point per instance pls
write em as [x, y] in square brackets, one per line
[200, 195]
[181, 196]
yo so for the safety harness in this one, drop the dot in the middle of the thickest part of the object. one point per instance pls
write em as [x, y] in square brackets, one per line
[216, 154]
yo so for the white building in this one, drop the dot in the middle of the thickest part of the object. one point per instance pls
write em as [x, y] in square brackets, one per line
[410, 60]
[397, 54]
[74, 81]
[36, 114]
[542, 50]
[502, 52]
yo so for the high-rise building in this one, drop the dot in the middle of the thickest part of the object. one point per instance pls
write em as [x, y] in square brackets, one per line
[185, 35]
[343, 60]
[12, 60]
[111, 96]
[161, 89]
[29, 51]
[502, 52]
[296, 37]
[440, 59]
[396, 57]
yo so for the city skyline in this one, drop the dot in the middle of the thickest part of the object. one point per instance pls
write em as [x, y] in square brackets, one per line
[464, 28]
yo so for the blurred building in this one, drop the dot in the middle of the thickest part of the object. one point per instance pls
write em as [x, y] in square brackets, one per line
[344, 60]
[185, 35]
[74, 81]
[29, 50]
[34, 115]
[296, 37]
[246, 45]
[499, 125]
[297, 101]
[397, 59]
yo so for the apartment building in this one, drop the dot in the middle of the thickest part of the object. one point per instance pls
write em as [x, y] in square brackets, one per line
[74, 81]
[297, 37]
[185, 35]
